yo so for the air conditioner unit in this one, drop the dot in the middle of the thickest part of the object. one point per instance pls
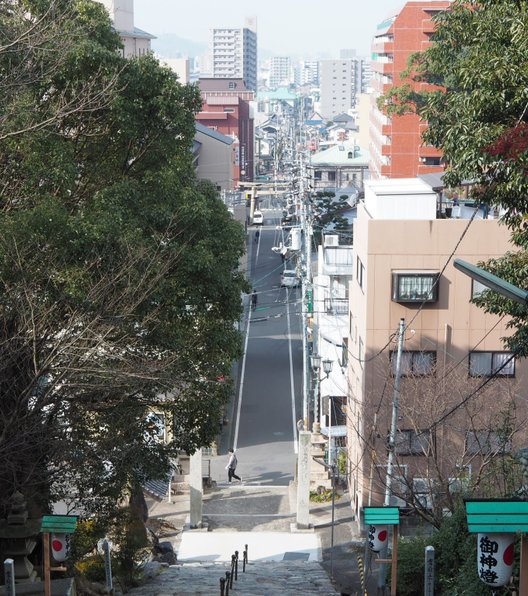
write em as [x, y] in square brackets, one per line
[331, 240]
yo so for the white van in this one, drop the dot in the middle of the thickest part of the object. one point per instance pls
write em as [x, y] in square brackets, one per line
[258, 218]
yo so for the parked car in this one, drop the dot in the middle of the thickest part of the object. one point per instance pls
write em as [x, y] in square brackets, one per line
[289, 279]
[258, 218]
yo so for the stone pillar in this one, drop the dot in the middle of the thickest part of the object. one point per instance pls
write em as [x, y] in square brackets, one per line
[196, 489]
[303, 481]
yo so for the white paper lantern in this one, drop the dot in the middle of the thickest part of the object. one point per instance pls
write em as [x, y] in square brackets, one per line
[495, 557]
[377, 537]
[60, 547]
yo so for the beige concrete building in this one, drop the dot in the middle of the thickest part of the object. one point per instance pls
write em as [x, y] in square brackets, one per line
[135, 41]
[214, 157]
[461, 401]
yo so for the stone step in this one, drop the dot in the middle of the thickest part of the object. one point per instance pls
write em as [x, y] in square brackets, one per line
[261, 578]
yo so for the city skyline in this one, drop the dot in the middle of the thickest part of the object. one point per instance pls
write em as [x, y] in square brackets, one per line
[283, 28]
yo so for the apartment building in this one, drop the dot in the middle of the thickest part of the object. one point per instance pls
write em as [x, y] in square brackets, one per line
[135, 41]
[397, 149]
[307, 73]
[234, 53]
[280, 72]
[340, 83]
[449, 419]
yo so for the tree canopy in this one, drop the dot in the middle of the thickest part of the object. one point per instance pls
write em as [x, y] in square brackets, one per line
[119, 274]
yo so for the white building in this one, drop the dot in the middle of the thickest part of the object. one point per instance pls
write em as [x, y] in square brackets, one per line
[136, 42]
[307, 73]
[234, 53]
[330, 337]
[280, 72]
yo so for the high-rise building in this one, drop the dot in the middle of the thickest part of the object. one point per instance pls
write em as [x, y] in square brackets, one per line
[280, 71]
[234, 53]
[397, 149]
[340, 82]
[307, 73]
[135, 41]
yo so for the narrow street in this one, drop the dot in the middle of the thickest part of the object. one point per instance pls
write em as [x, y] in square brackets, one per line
[268, 401]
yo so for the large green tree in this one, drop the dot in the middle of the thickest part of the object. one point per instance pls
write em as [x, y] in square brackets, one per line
[478, 116]
[119, 283]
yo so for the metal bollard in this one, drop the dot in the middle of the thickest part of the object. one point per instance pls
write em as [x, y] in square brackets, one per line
[232, 570]
[236, 565]
[245, 558]
[228, 576]
[222, 586]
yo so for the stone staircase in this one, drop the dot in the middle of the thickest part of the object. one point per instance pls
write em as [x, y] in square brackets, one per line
[261, 578]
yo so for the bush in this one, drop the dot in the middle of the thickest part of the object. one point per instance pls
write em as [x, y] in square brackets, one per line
[322, 495]
[92, 568]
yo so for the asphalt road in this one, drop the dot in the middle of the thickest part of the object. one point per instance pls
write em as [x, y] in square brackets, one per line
[268, 402]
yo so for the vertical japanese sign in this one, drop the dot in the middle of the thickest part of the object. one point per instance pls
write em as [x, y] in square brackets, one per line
[429, 571]
[9, 577]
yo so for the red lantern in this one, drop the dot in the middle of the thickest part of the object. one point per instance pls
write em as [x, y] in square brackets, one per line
[495, 556]
[377, 537]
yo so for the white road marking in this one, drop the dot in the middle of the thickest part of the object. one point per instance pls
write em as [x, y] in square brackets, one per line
[241, 388]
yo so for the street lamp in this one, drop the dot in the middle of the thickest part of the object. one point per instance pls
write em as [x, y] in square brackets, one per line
[497, 284]
[327, 367]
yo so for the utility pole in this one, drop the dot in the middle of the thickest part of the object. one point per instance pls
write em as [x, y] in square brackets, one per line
[306, 288]
[392, 440]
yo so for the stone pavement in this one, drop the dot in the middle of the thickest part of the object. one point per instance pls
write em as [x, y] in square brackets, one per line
[260, 579]
[261, 517]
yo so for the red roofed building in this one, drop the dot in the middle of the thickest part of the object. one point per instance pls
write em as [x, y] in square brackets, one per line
[226, 109]
[396, 146]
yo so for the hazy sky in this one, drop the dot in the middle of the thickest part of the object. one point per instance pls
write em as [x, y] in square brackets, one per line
[289, 27]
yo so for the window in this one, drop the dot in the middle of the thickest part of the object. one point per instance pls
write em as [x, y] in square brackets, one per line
[230, 110]
[487, 364]
[331, 176]
[344, 353]
[477, 288]
[317, 175]
[409, 286]
[411, 442]
[414, 363]
[232, 85]
[486, 442]
[350, 155]
[422, 491]
[361, 352]
[360, 271]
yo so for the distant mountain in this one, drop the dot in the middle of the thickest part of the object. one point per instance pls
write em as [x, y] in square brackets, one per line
[170, 45]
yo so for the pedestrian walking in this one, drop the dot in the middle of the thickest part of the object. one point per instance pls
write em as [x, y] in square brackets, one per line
[231, 466]
[257, 234]
[254, 299]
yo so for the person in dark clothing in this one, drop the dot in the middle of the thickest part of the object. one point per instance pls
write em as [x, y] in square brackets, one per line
[231, 466]
[254, 299]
